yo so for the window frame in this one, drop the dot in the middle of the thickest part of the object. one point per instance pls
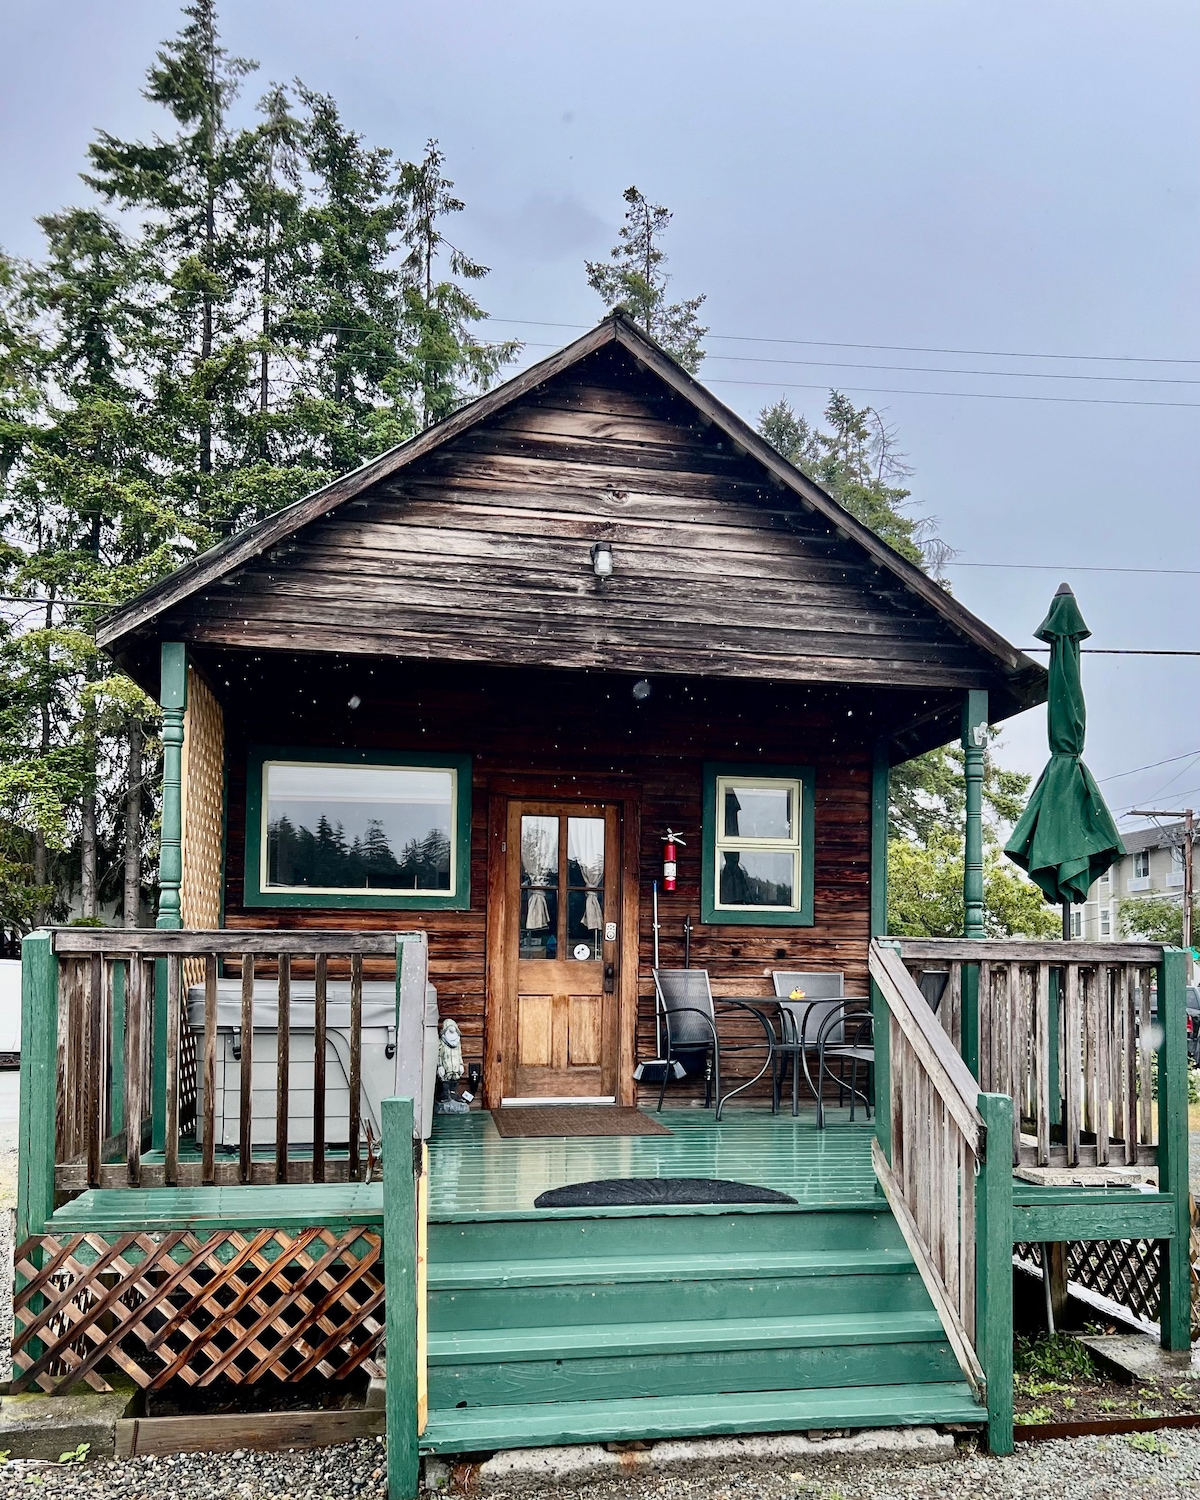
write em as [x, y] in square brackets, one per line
[457, 899]
[713, 914]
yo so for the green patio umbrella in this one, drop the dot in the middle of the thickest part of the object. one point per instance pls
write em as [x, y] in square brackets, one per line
[1066, 837]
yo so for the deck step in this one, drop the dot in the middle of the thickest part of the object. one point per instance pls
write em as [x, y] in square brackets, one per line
[708, 1335]
[482, 1429]
[607, 1269]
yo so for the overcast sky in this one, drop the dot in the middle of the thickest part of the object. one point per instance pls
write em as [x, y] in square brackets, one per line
[1010, 176]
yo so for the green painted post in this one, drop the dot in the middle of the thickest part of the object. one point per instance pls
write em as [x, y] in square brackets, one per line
[974, 742]
[1175, 1307]
[880, 792]
[39, 1083]
[116, 1093]
[994, 1269]
[400, 1298]
[970, 1018]
[173, 700]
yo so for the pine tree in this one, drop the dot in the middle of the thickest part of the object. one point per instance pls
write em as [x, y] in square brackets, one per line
[638, 282]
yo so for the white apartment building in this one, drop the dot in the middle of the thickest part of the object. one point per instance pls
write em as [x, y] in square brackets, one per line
[1151, 866]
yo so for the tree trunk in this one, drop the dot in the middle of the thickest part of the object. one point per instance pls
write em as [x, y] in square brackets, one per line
[133, 826]
[87, 835]
[39, 875]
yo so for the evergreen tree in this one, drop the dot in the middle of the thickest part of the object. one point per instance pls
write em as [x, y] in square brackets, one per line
[638, 281]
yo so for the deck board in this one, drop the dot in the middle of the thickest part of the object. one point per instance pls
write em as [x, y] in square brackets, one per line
[476, 1174]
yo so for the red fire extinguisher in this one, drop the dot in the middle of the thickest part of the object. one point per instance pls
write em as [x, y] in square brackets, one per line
[670, 839]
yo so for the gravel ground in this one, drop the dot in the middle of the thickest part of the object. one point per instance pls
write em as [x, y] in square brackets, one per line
[1092, 1468]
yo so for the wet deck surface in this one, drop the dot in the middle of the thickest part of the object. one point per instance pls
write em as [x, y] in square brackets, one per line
[475, 1173]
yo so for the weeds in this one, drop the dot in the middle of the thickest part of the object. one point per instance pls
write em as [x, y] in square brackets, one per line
[1149, 1442]
[1057, 1357]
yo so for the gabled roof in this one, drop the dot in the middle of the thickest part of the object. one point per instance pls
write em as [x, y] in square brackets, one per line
[1025, 677]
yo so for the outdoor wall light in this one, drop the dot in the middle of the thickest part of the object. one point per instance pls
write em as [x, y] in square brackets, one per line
[641, 690]
[602, 559]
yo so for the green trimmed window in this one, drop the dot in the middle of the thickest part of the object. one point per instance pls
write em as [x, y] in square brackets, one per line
[353, 829]
[757, 845]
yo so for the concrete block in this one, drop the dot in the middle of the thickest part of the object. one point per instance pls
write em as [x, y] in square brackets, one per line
[1134, 1356]
[33, 1425]
[536, 1468]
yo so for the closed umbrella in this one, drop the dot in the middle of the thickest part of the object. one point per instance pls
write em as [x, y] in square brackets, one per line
[1066, 837]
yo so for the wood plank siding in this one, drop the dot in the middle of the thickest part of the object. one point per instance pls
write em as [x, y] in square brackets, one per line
[579, 734]
[480, 551]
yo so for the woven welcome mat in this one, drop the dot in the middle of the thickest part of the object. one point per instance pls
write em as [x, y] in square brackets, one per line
[514, 1121]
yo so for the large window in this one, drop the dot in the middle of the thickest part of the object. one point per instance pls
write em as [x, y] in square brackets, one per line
[757, 845]
[348, 829]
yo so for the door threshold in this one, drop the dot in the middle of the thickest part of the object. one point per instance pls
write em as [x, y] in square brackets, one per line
[574, 1099]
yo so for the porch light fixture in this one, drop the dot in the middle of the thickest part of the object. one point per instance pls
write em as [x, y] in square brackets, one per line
[602, 559]
[641, 690]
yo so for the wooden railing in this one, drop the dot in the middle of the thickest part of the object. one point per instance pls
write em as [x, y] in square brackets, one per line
[1066, 1030]
[938, 1141]
[136, 1084]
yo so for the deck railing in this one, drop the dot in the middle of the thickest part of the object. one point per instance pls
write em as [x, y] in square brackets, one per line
[938, 1138]
[1067, 1030]
[134, 1084]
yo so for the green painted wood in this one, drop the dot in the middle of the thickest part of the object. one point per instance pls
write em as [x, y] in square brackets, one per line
[400, 1278]
[1095, 1215]
[294, 1206]
[173, 700]
[542, 1424]
[880, 798]
[1175, 1275]
[969, 1045]
[974, 740]
[655, 1301]
[897, 1355]
[501, 1178]
[116, 1094]
[39, 1081]
[994, 1269]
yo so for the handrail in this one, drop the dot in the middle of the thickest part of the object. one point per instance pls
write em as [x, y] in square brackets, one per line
[938, 1141]
[1026, 951]
[199, 942]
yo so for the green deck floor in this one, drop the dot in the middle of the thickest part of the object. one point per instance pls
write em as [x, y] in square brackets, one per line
[475, 1173]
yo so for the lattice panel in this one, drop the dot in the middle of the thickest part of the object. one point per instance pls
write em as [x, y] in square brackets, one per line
[172, 1306]
[1124, 1271]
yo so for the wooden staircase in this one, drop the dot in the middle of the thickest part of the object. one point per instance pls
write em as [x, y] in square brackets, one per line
[573, 1328]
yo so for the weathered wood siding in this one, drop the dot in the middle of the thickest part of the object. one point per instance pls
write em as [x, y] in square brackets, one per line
[481, 552]
[560, 730]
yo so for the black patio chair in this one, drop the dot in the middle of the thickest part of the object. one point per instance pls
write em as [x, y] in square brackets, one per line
[846, 1036]
[822, 992]
[689, 1017]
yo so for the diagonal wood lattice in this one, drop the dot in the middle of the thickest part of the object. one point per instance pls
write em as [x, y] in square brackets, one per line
[178, 1305]
[1124, 1271]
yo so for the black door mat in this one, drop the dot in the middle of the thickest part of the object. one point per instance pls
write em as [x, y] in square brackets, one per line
[637, 1192]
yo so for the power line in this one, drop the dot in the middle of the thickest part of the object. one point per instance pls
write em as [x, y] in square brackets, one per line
[1074, 568]
[1153, 766]
[748, 338]
[864, 390]
[1119, 651]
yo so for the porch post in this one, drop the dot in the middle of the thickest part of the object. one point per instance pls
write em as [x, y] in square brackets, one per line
[400, 1298]
[880, 787]
[1175, 1306]
[974, 739]
[173, 700]
[39, 1087]
[994, 1269]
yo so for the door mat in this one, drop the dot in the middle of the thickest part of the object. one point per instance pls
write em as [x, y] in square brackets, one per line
[635, 1192]
[574, 1119]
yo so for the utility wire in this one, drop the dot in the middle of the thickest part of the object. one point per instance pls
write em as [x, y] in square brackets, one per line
[1153, 766]
[1073, 568]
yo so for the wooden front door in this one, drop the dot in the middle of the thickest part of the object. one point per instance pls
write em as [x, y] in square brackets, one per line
[562, 897]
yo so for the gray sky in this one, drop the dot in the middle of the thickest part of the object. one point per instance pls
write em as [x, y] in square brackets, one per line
[987, 175]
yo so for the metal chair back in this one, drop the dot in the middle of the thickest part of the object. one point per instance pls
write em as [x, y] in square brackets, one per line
[680, 994]
[801, 1020]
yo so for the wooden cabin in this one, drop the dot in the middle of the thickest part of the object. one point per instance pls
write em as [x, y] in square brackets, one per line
[456, 702]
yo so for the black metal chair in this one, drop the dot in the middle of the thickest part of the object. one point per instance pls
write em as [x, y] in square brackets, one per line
[822, 993]
[689, 1017]
[846, 1035]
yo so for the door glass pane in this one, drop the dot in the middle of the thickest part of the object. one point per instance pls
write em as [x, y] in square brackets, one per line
[757, 877]
[585, 851]
[539, 850]
[757, 812]
[539, 922]
[341, 828]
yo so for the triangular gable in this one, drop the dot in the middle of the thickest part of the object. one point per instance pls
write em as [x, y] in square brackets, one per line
[216, 568]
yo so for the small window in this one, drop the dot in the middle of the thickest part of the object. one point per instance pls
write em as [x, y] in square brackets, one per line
[757, 845]
[353, 831]
[1141, 863]
[1175, 871]
[1106, 921]
[1077, 922]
